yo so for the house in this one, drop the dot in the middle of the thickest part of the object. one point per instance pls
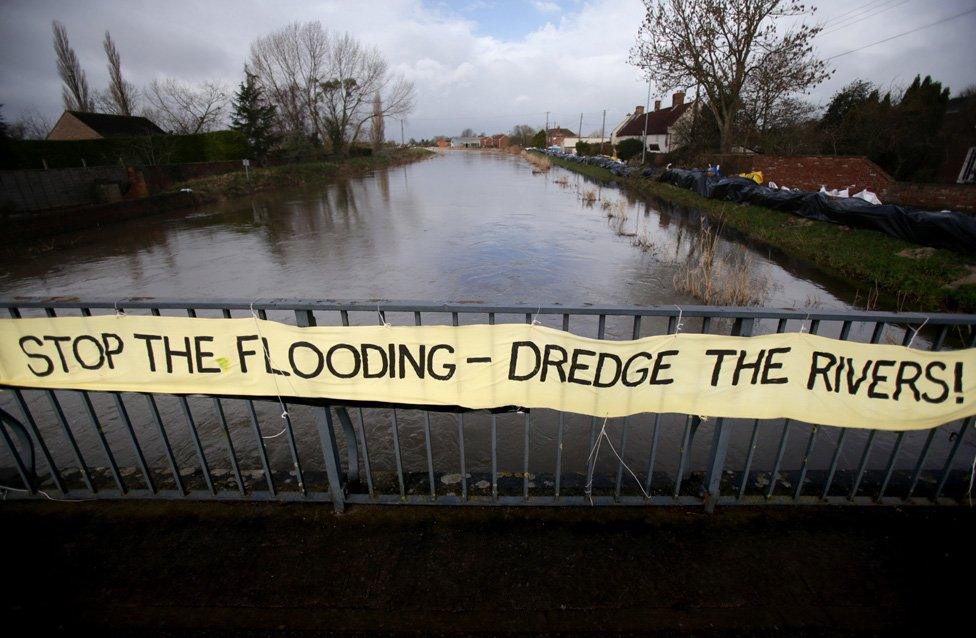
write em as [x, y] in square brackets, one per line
[443, 142]
[658, 125]
[465, 142]
[499, 140]
[78, 125]
[569, 143]
[556, 135]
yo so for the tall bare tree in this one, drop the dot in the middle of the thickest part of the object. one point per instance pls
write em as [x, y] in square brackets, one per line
[729, 48]
[185, 109]
[376, 125]
[289, 64]
[121, 95]
[356, 74]
[74, 93]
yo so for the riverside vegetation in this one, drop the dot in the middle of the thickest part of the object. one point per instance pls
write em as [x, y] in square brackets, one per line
[295, 175]
[916, 278]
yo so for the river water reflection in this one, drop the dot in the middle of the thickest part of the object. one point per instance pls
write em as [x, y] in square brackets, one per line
[461, 226]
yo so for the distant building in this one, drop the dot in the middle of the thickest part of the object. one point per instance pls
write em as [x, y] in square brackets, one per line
[658, 124]
[77, 125]
[569, 143]
[556, 135]
[499, 140]
[465, 142]
[443, 142]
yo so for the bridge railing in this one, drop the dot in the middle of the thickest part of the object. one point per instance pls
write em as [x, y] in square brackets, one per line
[65, 444]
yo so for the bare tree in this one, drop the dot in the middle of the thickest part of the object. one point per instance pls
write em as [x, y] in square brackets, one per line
[376, 126]
[75, 91]
[31, 125]
[356, 74]
[120, 98]
[184, 109]
[290, 63]
[728, 48]
[522, 134]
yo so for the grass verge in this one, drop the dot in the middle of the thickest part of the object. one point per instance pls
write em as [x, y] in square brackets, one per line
[918, 278]
[295, 175]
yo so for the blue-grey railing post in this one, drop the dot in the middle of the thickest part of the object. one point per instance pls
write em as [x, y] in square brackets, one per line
[720, 440]
[330, 448]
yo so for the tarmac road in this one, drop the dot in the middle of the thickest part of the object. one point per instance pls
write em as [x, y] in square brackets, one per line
[247, 569]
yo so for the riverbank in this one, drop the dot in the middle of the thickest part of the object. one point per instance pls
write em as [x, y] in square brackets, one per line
[44, 231]
[222, 569]
[206, 189]
[916, 278]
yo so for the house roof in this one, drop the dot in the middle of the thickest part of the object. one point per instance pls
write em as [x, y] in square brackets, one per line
[108, 125]
[565, 132]
[658, 121]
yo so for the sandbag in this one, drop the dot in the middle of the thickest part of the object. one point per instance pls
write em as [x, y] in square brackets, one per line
[940, 229]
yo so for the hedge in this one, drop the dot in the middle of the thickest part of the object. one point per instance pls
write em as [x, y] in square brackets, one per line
[218, 146]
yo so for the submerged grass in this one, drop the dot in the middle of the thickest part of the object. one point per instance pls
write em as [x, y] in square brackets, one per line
[295, 175]
[920, 280]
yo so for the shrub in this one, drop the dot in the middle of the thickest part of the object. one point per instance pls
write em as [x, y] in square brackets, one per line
[628, 149]
[217, 146]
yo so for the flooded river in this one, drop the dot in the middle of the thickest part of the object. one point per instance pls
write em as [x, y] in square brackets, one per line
[461, 226]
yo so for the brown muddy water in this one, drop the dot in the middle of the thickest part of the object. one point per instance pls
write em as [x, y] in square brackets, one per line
[462, 226]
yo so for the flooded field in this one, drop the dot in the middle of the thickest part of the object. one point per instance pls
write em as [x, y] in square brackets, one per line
[462, 226]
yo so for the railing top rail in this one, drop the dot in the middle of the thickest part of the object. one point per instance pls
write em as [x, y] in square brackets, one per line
[471, 307]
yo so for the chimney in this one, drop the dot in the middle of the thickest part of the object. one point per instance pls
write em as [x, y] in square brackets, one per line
[678, 99]
[657, 105]
[638, 110]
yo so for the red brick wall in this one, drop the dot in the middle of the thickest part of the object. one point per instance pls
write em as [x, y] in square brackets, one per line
[809, 172]
[961, 197]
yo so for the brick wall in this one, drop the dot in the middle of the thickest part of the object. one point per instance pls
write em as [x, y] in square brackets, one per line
[813, 171]
[961, 197]
[809, 172]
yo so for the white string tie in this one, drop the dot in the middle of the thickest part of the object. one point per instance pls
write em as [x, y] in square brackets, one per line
[535, 318]
[383, 321]
[678, 325]
[915, 334]
[591, 463]
[118, 312]
[274, 377]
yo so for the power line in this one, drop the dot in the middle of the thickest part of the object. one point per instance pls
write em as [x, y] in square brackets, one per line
[840, 16]
[925, 26]
[855, 20]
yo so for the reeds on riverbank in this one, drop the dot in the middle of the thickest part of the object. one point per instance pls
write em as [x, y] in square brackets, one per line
[540, 163]
[719, 280]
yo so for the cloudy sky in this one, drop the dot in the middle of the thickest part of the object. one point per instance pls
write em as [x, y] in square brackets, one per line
[484, 64]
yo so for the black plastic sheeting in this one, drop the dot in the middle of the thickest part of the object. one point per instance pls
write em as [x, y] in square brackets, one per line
[945, 229]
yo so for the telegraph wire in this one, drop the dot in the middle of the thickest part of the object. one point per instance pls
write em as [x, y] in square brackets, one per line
[872, 14]
[898, 35]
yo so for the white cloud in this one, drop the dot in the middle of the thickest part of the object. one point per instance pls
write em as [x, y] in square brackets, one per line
[465, 77]
[546, 7]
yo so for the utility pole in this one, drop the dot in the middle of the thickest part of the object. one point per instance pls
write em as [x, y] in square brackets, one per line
[579, 134]
[402, 143]
[547, 129]
[603, 130]
[647, 105]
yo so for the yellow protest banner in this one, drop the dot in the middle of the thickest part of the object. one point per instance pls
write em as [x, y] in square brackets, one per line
[792, 375]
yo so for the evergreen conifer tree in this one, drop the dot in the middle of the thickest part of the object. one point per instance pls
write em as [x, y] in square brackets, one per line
[253, 116]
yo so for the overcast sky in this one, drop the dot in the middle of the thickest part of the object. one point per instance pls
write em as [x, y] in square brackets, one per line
[483, 64]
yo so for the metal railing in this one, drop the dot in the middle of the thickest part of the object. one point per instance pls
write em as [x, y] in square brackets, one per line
[65, 444]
